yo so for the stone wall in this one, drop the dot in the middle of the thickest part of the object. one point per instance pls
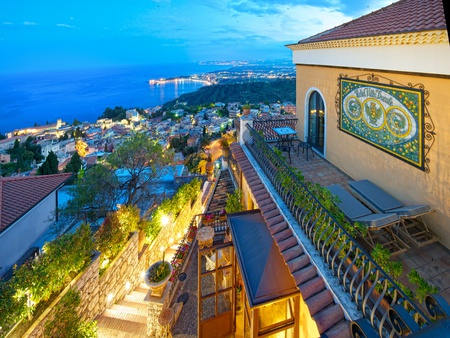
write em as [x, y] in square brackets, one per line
[122, 276]
[174, 232]
[87, 283]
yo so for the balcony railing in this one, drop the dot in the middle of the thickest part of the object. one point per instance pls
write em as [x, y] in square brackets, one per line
[373, 290]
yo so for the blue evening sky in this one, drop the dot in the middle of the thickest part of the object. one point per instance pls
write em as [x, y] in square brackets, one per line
[64, 34]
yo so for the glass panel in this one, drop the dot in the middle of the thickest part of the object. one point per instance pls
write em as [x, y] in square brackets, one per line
[224, 302]
[272, 314]
[224, 256]
[224, 278]
[208, 308]
[208, 261]
[208, 284]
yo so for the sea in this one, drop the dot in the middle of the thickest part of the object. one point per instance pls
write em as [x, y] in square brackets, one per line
[39, 98]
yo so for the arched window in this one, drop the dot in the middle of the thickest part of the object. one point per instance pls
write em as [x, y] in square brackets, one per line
[316, 122]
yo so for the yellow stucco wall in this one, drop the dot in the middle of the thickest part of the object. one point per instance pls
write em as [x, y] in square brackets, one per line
[363, 161]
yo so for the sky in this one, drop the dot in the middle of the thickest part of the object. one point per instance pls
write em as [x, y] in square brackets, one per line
[38, 35]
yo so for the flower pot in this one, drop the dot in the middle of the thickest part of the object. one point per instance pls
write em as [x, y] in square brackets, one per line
[157, 288]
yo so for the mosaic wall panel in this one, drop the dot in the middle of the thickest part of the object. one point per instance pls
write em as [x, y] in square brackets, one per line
[385, 116]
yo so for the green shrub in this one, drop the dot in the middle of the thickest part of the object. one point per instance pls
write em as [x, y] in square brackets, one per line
[185, 194]
[37, 280]
[66, 321]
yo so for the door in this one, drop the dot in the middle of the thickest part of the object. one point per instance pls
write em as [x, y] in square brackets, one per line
[216, 292]
[316, 122]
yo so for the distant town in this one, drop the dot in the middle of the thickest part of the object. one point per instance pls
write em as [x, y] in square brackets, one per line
[93, 140]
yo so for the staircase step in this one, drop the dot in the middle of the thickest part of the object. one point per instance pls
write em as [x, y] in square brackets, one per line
[122, 325]
[140, 306]
[136, 297]
[135, 318]
[141, 289]
[120, 308]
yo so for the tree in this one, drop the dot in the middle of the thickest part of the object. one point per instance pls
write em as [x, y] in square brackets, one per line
[74, 165]
[50, 165]
[196, 162]
[142, 160]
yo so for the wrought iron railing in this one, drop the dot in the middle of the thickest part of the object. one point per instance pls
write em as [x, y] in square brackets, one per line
[370, 287]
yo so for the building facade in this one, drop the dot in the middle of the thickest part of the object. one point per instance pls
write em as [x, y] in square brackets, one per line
[373, 98]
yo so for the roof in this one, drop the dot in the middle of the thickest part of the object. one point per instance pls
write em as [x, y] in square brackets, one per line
[404, 16]
[328, 315]
[265, 273]
[18, 195]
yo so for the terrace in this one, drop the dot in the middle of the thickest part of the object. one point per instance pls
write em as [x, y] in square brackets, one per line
[431, 261]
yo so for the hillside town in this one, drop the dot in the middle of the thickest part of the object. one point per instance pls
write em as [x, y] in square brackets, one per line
[93, 141]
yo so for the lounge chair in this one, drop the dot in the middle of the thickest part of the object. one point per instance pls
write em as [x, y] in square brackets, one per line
[379, 226]
[413, 227]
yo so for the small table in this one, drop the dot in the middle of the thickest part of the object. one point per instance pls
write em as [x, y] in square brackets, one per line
[285, 137]
[205, 237]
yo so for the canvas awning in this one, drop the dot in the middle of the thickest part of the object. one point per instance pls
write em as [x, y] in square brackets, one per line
[264, 271]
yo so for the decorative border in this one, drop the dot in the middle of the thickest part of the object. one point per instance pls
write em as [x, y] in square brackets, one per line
[426, 125]
[414, 38]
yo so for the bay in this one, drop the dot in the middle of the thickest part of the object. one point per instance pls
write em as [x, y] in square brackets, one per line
[29, 98]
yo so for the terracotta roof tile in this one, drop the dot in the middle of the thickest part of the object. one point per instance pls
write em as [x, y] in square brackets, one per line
[319, 301]
[274, 220]
[312, 286]
[305, 274]
[271, 213]
[262, 197]
[278, 227]
[268, 207]
[263, 200]
[403, 16]
[291, 253]
[327, 318]
[18, 195]
[287, 243]
[283, 235]
[299, 263]
[341, 330]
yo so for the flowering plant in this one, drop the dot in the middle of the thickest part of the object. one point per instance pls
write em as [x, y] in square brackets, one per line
[222, 212]
[239, 286]
[208, 217]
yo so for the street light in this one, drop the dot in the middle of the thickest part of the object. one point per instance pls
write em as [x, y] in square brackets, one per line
[165, 220]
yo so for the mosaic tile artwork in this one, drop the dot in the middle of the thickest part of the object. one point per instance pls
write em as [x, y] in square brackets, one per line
[387, 117]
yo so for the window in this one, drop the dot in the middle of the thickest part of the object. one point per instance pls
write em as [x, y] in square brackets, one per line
[316, 122]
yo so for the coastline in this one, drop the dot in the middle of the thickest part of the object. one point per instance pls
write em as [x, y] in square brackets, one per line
[42, 98]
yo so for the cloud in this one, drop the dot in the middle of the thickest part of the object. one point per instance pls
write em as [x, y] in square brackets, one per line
[30, 23]
[65, 25]
[8, 23]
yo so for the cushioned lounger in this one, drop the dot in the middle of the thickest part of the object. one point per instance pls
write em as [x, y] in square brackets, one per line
[382, 202]
[355, 211]
[379, 224]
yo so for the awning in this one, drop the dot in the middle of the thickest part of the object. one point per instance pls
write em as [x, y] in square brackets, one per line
[264, 271]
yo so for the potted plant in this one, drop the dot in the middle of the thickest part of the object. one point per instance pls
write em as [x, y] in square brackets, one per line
[208, 218]
[239, 287]
[246, 109]
[157, 276]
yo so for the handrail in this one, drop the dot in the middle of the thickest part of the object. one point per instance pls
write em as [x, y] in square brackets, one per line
[369, 286]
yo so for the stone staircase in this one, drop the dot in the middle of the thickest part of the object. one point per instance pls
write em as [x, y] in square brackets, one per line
[127, 318]
[224, 186]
